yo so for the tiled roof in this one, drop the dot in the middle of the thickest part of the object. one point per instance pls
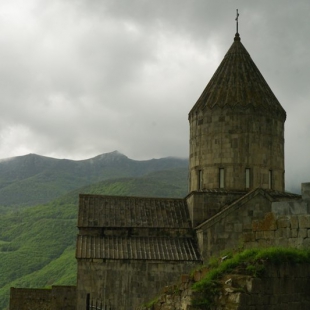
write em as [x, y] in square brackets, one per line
[118, 211]
[219, 191]
[136, 248]
[238, 83]
[277, 194]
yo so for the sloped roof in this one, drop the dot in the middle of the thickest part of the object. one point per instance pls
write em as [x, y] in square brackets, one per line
[137, 248]
[119, 211]
[238, 83]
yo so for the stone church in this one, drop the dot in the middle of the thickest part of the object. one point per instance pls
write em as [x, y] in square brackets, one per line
[129, 248]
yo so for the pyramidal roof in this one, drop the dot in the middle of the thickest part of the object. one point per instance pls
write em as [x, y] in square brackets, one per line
[237, 83]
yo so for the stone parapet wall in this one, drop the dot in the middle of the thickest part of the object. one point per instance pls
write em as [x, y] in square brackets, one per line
[26, 298]
[279, 230]
[284, 287]
[287, 225]
[56, 298]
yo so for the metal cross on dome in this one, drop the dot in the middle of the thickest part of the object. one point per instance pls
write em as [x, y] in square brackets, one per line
[237, 21]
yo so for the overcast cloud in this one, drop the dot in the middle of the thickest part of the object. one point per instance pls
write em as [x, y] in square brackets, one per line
[85, 77]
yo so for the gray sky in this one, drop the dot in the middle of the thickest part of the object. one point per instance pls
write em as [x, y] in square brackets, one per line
[80, 78]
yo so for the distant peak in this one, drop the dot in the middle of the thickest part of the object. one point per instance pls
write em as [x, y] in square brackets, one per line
[111, 156]
[114, 153]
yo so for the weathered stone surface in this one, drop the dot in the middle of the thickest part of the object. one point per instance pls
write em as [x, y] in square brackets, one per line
[289, 208]
[137, 280]
[58, 297]
[268, 223]
[302, 233]
[283, 222]
[294, 222]
[281, 287]
[304, 221]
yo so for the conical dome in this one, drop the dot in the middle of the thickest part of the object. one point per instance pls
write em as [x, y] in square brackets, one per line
[238, 83]
[237, 129]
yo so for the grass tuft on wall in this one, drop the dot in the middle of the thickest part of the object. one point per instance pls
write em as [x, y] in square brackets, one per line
[250, 262]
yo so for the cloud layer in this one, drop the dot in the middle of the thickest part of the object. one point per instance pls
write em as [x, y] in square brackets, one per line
[80, 78]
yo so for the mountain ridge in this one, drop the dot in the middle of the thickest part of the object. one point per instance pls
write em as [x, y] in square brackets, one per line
[35, 179]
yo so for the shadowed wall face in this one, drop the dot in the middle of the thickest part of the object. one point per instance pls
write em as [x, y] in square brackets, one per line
[56, 298]
[126, 284]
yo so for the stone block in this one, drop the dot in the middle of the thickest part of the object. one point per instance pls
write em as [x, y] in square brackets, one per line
[279, 233]
[294, 222]
[185, 278]
[197, 276]
[237, 227]
[248, 237]
[284, 222]
[289, 208]
[234, 298]
[283, 233]
[269, 234]
[306, 243]
[304, 221]
[229, 227]
[294, 233]
[268, 223]
[302, 233]
[264, 243]
[259, 235]
[257, 285]
[252, 245]
[296, 242]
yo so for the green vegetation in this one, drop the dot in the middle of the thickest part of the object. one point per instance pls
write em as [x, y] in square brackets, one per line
[250, 262]
[37, 244]
[32, 179]
[151, 303]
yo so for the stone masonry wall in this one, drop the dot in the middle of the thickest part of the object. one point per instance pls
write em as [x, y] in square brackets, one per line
[255, 222]
[125, 284]
[287, 225]
[234, 140]
[26, 298]
[57, 298]
[205, 204]
[283, 231]
[228, 231]
[284, 287]
[63, 298]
